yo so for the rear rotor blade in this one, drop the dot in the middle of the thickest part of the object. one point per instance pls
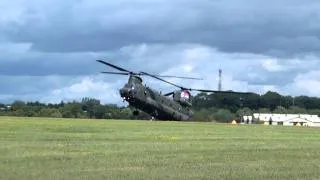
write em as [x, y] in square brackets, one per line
[224, 92]
[113, 66]
[118, 73]
[169, 94]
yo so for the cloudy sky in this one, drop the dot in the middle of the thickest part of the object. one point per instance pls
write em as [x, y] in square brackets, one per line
[48, 48]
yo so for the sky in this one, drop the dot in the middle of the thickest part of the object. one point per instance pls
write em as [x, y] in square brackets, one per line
[48, 48]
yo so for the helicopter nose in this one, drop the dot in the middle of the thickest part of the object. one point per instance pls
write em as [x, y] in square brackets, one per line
[127, 92]
[124, 92]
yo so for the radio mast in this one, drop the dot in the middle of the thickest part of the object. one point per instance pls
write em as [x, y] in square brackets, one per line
[220, 80]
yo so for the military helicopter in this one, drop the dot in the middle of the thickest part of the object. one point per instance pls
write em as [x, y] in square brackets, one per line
[157, 105]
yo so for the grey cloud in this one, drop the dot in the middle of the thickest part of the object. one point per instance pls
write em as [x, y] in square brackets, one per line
[22, 62]
[161, 59]
[259, 75]
[50, 89]
[43, 64]
[267, 78]
[20, 85]
[66, 37]
[276, 28]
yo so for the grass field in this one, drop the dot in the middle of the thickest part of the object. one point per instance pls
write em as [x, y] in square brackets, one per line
[34, 148]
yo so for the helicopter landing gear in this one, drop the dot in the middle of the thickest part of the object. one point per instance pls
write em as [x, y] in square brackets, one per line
[154, 115]
[136, 113]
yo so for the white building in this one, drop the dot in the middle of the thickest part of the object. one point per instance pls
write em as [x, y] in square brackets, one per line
[247, 120]
[288, 119]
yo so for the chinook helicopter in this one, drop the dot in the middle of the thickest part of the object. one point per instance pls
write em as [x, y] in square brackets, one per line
[174, 105]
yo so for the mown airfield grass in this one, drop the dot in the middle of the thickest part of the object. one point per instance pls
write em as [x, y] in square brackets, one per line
[42, 148]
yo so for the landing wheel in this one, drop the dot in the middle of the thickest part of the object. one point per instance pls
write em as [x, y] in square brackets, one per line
[155, 113]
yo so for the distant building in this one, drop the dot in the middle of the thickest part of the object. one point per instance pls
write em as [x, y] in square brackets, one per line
[288, 119]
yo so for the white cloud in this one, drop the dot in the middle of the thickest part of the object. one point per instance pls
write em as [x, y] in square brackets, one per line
[13, 48]
[306, 83]
[89, 86]
[272, 65]
[11, 11]
[198, 53]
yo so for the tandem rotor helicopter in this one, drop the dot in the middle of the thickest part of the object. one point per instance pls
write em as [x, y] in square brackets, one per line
[174, 105]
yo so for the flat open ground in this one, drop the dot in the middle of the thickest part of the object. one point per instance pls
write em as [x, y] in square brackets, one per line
[35, 148]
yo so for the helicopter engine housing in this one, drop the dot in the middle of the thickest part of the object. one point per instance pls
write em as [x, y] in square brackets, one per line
[183, 97]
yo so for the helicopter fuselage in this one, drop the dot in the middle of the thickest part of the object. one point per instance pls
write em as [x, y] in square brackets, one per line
[152, 102]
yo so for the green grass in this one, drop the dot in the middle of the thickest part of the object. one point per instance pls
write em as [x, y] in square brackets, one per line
[35, 148]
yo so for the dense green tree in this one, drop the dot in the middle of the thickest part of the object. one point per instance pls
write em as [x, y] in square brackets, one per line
[297, 110]
[314, 112]
[99, 112]
[264, 110]
[286, 101]
[18, 105]
[126, 113]
[30, 111]
[244, 112]
[200, 101]
[35, 104]
[280, 110]
[270, 100]
[72, 110]
[251, 101]
[92, 107]
[204, 114]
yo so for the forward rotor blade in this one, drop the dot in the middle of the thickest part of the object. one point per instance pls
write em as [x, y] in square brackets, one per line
[113, 66]
[180, 77]
[144, 73]
[118, 73]
[169, 94]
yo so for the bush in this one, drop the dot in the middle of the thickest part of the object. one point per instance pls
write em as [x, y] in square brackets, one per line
[50, 112]
[224, 115]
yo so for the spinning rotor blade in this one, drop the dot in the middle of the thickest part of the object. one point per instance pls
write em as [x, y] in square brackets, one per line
[127, 72]
[224, 92]
[118, 73]
[113, 66]
[180, 77]
[156, 77]
[159, 77]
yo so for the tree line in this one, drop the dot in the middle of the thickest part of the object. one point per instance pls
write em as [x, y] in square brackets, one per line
[87, 108]
[222, 107]
[226, 106]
